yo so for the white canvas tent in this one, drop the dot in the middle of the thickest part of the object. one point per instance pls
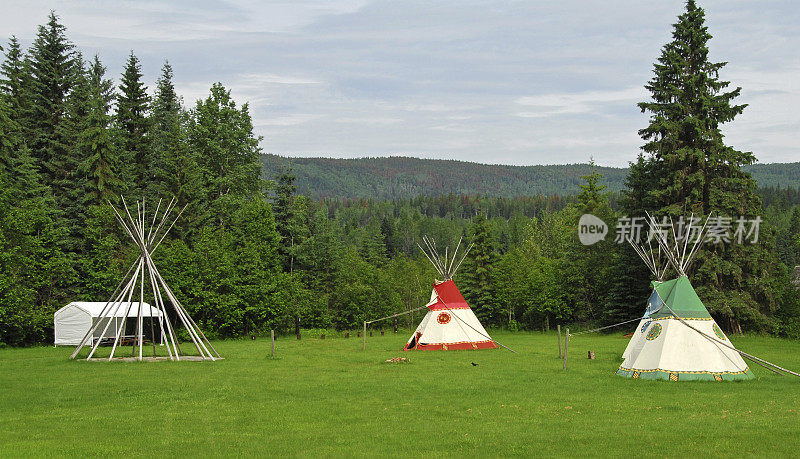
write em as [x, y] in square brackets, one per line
[73, 321]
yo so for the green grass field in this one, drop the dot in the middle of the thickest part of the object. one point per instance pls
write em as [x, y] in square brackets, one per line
[327, 397]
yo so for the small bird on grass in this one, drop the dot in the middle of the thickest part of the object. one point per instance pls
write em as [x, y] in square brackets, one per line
[474, 364]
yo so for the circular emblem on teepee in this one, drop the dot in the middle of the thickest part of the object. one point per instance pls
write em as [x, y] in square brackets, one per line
[718, 332]
[655, 330]
[443, 318]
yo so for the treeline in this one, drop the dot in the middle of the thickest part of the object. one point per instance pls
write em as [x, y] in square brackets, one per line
[398, 178]
[527, 268]
[71, 142]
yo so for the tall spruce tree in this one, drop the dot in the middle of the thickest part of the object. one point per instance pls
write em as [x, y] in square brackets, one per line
[586, 267]
[101, 165]
[174, 165]
[477, 274]
[69, 183]
[133, 104]
[630, 283]
[691, 170]
[13, 79]
[283, 208]
[52, 66]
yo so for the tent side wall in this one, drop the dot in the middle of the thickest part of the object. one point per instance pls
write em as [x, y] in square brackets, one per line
[72, 322]
[70, 325]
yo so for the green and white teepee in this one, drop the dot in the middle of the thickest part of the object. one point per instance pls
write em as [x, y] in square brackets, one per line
[677, 339]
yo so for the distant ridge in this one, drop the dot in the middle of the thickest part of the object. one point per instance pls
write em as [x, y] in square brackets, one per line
[400, 177]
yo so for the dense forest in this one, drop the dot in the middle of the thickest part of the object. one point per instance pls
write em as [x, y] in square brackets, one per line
[251, 254]
[404, 178]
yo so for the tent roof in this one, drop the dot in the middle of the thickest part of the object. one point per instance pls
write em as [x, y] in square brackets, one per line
[95, 308]
[680, 296]
[448, 297]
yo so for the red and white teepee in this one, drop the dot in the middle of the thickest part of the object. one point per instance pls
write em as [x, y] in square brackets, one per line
[450, 323]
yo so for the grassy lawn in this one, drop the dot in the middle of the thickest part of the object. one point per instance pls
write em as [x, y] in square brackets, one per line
[327, 397]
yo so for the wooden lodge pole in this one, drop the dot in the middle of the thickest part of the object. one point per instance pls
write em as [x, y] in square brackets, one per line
[560, 356]
[566, 349]
[364, 336]
[272, 338]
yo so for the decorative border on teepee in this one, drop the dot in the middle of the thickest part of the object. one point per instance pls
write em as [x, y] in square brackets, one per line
[665, 375]
[684, 318]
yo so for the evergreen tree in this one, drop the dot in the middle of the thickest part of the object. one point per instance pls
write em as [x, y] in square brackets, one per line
[70, 183]
[373, 248]
[52, 67]
[389, 238]
[101, 165]
[174, 164]
[34, 272]
[133, 104]
[591, 196]
[477, 280]
[283, 207]
[13, 79]
[691, 170]
[630, 283]
[586, 267]
[788, 240]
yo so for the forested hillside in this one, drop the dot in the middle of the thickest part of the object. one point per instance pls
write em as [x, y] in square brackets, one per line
[403, 177]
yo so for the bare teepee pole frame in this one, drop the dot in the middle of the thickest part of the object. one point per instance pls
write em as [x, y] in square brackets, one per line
[147, 239]
[680, 258]
[448, 265]
[654, 259]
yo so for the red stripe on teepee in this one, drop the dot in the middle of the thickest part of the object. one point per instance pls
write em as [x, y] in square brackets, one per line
[457, 346]
[449, 297]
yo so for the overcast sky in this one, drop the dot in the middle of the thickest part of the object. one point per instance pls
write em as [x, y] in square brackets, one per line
[537, 82]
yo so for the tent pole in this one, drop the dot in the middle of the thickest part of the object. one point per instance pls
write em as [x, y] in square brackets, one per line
[364, 335]
[127, 311]
[176, 347]
[476, 331]
[112, 303]
[743, 354]
[162, 311]
[396, 315]
[566, 349]
[121, 299]
[106, 309]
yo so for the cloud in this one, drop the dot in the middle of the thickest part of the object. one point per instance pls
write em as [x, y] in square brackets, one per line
[578, 103]
[513, 82]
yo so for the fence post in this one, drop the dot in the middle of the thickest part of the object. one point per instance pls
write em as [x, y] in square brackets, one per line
[560, 356]
[272, 338]
[364, 335]
[566, 349]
